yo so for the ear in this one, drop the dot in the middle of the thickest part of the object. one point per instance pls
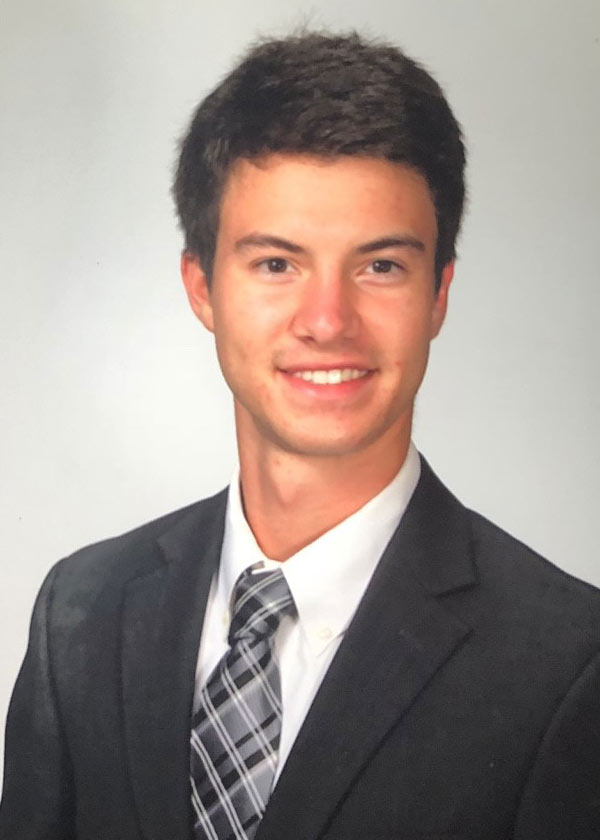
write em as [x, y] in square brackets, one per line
[440, 303]
[198, 291]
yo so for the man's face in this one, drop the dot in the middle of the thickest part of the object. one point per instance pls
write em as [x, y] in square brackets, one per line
[322, 301]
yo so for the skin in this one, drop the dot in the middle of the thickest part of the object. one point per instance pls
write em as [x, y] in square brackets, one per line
[320, 265]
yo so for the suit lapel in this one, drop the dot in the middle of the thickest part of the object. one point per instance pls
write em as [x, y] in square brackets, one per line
[400, 636]
[162, 621]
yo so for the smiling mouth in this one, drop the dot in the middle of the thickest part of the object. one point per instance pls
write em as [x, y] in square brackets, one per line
[330, 377]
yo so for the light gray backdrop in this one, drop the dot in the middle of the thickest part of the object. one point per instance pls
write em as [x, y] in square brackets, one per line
[113, 410]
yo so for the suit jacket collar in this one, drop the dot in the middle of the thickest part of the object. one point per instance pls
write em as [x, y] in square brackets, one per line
[163, 612]
[400, 636]
[434, 537]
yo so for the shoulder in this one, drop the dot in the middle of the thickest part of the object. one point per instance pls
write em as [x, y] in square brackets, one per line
[516, 591]
[546, 621]
[110, 564]
[508, 564]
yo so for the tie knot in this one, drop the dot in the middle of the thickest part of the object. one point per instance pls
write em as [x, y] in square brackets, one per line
[260, 601]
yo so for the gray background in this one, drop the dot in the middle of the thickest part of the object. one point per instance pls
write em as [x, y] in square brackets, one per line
[113, 410]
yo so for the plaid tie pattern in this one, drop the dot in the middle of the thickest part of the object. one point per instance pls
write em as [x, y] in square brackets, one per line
[236, 730]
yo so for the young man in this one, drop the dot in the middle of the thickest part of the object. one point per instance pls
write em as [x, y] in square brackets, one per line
[335, 648]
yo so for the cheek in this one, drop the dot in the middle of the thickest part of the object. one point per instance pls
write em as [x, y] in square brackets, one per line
[243, 341]
[402, 334]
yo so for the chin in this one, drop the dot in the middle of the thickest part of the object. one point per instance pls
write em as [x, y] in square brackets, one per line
[323, 446]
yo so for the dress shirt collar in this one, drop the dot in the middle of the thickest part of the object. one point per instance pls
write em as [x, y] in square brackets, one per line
[329, 576]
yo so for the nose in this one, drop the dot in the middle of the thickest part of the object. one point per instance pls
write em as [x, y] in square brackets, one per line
[326, 310]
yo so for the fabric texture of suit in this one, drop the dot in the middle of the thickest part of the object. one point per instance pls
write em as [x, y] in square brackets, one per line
[463, 702]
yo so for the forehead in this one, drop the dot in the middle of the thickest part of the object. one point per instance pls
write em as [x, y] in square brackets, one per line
[310, 196]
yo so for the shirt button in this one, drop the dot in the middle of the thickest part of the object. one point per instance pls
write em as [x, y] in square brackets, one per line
[324, 633]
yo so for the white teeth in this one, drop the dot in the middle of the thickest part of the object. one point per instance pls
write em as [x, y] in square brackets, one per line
[330, 377]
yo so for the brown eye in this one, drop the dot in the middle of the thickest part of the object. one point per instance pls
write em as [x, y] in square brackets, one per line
[383, 266]
[276, 265]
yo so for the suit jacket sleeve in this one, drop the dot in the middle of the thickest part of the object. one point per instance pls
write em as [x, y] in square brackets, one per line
[562, 796]
[37, 796]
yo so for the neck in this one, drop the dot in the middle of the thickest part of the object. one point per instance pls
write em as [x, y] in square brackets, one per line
[290, 499]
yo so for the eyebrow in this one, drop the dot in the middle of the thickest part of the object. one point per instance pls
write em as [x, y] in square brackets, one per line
[265, 240]
[391, 242]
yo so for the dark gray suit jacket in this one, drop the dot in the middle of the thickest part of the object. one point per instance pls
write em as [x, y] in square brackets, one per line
[464, 701]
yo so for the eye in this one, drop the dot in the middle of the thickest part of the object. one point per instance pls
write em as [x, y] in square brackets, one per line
[274, 265]
[383, 272]
[383, 267]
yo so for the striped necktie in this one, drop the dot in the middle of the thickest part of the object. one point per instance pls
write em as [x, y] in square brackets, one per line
[236, 730]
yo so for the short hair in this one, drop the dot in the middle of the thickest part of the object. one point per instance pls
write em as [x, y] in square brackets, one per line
[328, 96]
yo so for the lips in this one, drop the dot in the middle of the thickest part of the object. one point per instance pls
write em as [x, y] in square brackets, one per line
[333, 376]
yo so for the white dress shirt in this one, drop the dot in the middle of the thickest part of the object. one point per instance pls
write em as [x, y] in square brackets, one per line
[327, 579]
